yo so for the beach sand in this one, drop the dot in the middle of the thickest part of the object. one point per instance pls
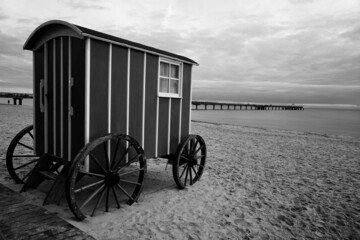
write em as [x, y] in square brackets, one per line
[258, 184]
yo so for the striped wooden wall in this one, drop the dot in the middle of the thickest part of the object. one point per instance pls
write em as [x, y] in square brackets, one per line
[93, 87]
[57, 63]
[123, 97]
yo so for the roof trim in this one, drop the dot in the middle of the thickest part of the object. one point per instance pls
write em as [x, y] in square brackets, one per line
[57, 28]
[49, 30]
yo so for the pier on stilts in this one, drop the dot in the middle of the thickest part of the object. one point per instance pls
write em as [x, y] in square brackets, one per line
[207, 105]
[17, 97]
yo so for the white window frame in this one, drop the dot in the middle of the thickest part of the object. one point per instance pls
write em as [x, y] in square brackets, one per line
[171, 95]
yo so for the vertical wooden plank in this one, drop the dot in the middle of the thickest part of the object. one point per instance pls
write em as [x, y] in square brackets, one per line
[118, 91]
[64, 109]
[169, 125]
[150, 105]
[54, 95]
[50, 97]
[143, 103]
[119, 68]
[128, 91]
[99, 60]
[58, 97]
[175, 124]
[163, 126]
[45, 97]
[38, 116]
[61, 98]
[109, 94]
[87, 91]
[69, 95]
[135, 96]
[186, 91]
[78, 95]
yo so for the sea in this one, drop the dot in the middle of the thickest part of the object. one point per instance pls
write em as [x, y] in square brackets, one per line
[330, 121]
[322, 120]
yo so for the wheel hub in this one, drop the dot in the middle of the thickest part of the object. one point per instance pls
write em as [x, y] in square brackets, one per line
[193, 161]
[112, 179]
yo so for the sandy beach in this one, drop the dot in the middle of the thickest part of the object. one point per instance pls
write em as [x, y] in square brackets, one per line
[258, 184]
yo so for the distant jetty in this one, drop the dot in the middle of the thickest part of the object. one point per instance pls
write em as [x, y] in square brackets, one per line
[206, 105]
[17, 97]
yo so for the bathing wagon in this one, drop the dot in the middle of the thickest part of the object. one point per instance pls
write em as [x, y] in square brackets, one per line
[100, 103]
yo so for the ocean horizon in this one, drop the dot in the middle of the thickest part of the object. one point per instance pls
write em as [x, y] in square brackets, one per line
[332, 119]
[344, 122]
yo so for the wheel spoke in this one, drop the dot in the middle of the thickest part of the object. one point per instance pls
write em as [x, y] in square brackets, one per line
[191, 182]
[107, 199]
[92, 196]
[197, 157]
[195, 172]
[128, 163]
[125, 192]
[187, 149]
[98, 202]
[186, 158]
[97, 162]
[186, 175]
[26, 146]
[106, 156]
[116, 199]
[93, 174]
[104, 186]
[127, 173]
[182, 173]
[194, 146]
[200, 165]
[26, 164]
[88, 186]
[31, 135]
[126, 181]
[115, 153]
[29, 156]
[201, 147]
[122, 158]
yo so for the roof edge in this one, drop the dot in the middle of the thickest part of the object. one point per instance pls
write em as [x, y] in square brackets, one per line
[37, 37]
[56, 28]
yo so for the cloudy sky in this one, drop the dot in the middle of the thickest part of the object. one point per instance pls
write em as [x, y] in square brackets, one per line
[281, 51]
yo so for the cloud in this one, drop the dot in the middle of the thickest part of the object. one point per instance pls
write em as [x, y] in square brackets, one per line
[15, 63]
[284, 50]
[84, 5]
[301, 1]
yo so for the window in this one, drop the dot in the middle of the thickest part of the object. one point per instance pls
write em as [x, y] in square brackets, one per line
[169, 79]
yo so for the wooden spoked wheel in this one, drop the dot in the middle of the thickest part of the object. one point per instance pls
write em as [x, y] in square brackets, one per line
[106, 172]
[189, 162]
[20, 157]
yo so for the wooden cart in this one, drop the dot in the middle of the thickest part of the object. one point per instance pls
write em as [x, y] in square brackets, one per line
[100, 103]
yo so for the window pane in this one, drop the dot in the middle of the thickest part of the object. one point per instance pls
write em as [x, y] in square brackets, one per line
[164, 69]
[164, 85]
[174, 73]
[174, 86]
